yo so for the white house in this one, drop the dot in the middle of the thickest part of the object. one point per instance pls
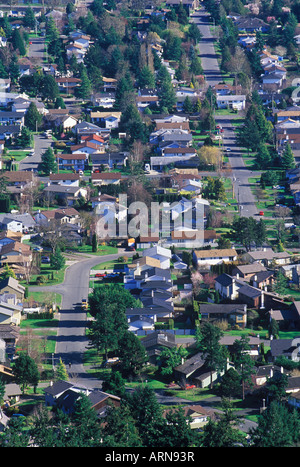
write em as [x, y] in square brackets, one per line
[211, 257]
[70, 179]
[236, 102]
[162, 254]
[108, 119]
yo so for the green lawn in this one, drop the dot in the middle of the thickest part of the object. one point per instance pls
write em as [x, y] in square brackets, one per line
[102, 250]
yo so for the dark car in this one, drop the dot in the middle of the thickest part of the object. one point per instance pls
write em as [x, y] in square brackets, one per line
[45, 259]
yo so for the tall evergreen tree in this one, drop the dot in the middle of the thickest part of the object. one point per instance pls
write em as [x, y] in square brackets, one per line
[48, 164]
[18, 42]
[33, 117]
[287, 157]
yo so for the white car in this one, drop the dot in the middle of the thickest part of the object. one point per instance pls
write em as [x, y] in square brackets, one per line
[228, 149]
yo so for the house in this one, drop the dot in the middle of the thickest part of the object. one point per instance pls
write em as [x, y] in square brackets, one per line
[160, 162]
[85, 128]
[171, 138]
[246, 271]
[9, 333]
[272, 79]
[234, 314]
[262, 280]
[10, 313]
[17, 180]
[12, 118]
[65, 194]
[265, 372]
[226, 287]
[191, 238]
[155, 341]
[67, 179]
[250, 24]
[181, 152]
[95, 139]
[109, 84]
[196, 415]
[214, 256]
[156, 313]
[10, 131]
[253, 342]
[62, 216]
[12, 286]
[190, 4]
[74, 161]
[268, 257]
[146, 101]
[225, 89]
[236, 102]
[288, 348]
[17, 223]
[88, 148]
[103, 99]
[288, 131]
[67, 84]
[108, 160]
[15, 253]
[108, 120]
[195, 371]
[294, 399]
[63, 395]
[65, 122]
[160, 253]
[289, 113]
[106, 178]
[163, 124]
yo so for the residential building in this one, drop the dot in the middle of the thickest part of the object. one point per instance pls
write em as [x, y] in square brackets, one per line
[236, 102]
[214, 256]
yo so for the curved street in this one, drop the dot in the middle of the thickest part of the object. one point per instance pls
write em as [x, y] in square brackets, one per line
[71, 341]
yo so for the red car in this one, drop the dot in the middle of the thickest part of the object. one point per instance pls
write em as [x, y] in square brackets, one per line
[190, 386]
[100, 274]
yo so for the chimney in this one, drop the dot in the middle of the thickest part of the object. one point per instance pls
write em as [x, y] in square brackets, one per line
[262, 301]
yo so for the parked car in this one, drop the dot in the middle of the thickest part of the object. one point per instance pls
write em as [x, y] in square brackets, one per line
[100, 274]
[45, 259]
[84, 304]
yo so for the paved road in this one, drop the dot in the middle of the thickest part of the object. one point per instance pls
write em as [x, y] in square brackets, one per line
[206, 48]
[71, 340]
[36, 50]
[240, 174]
[32, 162]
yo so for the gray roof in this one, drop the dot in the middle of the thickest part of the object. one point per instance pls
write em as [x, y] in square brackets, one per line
[249, 291]
[225, 309]
[26, 219]
[224, 279]
[58, 387]
[282, 347]
[191, 365]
